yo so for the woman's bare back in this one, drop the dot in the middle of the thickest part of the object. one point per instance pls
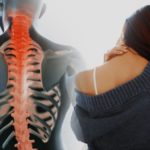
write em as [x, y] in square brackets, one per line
[113, 73]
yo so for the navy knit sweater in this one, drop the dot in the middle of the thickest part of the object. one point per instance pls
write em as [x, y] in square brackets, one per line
[115, 120]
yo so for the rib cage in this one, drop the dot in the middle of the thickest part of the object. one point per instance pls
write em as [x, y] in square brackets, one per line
[33, 110]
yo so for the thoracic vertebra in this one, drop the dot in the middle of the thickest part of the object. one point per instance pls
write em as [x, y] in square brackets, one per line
[33, 110]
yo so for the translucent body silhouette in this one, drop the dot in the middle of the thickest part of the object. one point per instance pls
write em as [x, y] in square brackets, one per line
[33, 100]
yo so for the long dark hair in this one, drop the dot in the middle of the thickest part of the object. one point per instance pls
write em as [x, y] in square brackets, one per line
[137, 31]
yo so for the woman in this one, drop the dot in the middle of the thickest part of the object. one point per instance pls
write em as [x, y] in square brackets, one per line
[112, 109]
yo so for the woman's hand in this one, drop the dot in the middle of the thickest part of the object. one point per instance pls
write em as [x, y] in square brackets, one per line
[114, 52]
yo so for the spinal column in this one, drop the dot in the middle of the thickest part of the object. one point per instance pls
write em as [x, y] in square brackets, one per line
[18, 55]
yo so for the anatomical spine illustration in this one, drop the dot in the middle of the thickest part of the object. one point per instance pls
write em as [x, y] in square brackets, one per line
[33, 110]
[34, 96]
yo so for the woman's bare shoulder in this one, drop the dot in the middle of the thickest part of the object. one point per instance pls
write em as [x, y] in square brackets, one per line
[111, 74]
[84, 80]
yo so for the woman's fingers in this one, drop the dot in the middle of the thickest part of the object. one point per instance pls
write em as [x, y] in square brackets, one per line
[114, 52]
[118, 51]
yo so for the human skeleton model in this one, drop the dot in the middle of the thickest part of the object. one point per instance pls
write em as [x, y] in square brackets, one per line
[33, 98]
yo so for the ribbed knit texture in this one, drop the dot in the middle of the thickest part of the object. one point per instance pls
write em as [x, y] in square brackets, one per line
[115, 120]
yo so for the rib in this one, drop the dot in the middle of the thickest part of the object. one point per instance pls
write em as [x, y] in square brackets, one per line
[8, 139]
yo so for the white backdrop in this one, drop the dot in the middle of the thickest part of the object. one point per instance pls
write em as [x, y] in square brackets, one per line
[92, 27]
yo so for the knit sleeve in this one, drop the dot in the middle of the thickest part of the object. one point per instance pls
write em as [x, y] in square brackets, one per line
[76, 126]
[87, 127]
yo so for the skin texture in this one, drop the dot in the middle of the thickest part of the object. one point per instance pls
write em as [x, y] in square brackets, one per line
[118, 69]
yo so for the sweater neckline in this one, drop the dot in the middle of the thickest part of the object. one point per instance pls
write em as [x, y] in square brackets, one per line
[116, 96]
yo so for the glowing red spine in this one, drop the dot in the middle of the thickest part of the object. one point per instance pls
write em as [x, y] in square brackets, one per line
[20, 39]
